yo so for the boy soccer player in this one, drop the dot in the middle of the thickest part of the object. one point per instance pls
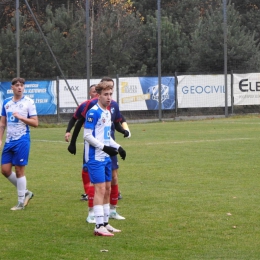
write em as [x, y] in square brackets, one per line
[84, 174]
[99, 146]
[116, 119]
[18, 113]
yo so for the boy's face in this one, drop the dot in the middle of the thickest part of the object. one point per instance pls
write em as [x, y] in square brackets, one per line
[104, 99]
[18, 88]
[92, 92]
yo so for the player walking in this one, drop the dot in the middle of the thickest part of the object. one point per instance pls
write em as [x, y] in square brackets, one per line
[18, 113]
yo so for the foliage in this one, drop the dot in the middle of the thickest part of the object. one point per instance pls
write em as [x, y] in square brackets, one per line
[174, 45]
[124, 37]
[209, 34]
[116, 41]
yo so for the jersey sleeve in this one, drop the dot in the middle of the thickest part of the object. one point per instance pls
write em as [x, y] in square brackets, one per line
[90, 103]
[79, 110]
[32, 108]
[117, 116]
[91, 119]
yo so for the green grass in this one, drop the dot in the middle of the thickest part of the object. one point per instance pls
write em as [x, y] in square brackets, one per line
[179, 182]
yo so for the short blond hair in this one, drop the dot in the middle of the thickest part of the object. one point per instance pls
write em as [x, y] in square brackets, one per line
[102, 86]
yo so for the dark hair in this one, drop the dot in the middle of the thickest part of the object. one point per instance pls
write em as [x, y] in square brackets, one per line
[102, 86]
[91, 86]
[15, 80]
[107, 79]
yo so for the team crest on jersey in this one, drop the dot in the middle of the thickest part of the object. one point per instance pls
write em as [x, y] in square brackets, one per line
[112, 110]
[103, 120]
[21, 105]
[90, 119]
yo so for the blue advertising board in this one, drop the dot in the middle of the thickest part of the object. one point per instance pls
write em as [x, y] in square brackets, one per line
[42, 92]
[150, 86]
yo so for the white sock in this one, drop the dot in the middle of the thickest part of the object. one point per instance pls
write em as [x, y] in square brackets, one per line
[21, 188]
[106, 212]
[12, 178]
[91, 212]
[99, 214]
[112, 208]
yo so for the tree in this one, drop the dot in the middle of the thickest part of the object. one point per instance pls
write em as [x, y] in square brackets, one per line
[174, 46]
[116, 41]
[208, 46]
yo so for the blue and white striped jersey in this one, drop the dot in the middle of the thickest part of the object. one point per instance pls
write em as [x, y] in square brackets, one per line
[99, 121]
[15, 127]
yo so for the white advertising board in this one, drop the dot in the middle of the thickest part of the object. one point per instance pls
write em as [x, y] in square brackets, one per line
[246, 89]
[202, 91]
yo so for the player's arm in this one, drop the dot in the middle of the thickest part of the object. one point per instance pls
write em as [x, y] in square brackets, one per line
[69, 127]
[122, 127]
[2, 128]
[31, 121]
[119, 148]
[124, 124]
[111, 151]
[78, 125]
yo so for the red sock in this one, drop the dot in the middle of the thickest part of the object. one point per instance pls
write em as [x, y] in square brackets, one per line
[85, 180]
[114, 195]
[91, 191]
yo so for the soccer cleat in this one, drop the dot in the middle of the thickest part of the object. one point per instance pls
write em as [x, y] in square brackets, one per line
[112, 229]
[115, 215]
[91, 219]
[84, 197]
[120, 195]
[19, 206]
[28, 196]
[102, 231]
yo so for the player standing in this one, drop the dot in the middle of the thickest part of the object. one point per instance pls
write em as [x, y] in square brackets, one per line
[75, 117]
[18, 113]
[99, 146]
[116, 119]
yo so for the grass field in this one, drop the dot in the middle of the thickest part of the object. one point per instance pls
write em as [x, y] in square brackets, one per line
[191, 191]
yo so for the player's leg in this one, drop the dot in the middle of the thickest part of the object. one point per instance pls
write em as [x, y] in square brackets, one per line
[114, 190]
[106, 205]
[86, 183]
[20, 160]
[91, 216]
[96, 172]
[9, 158]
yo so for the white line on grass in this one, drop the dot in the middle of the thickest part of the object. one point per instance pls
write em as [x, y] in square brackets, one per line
[201, 141]
[156, 143]
[51, 141]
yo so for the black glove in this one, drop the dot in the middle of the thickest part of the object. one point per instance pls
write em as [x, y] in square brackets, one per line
[122, 152]
[126, 133]
[72, 148]
[111, 151]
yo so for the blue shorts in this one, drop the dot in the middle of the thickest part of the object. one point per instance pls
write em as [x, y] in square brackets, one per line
[16, 152]
[98, 171]
[114, 162]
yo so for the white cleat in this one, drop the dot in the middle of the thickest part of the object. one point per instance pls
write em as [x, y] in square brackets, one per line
[112, 229]
[28, 197]
[91, 219]
[102, 231]
[115, 215]
[19, 206]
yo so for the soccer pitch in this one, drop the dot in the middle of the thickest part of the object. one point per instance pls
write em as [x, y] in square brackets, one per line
[190, 191]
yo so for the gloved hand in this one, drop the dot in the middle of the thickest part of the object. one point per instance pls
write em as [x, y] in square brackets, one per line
[72, 148]
[122, 152]
[111, 151]
[127, 134]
